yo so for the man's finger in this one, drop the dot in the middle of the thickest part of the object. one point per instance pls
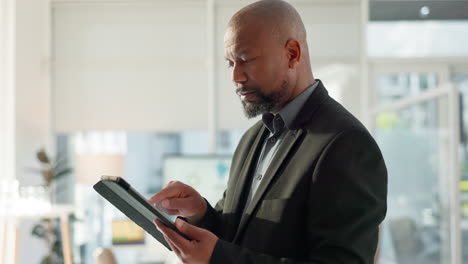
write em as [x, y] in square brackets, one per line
[169, 183]
[174, 203]
[169, 192]
[180, 242]
[195, 233]
[172, 212]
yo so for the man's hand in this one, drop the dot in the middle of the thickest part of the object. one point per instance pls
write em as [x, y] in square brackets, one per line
[180, 199]
[197, 251]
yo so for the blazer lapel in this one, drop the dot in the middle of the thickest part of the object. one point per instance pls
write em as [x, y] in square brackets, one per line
[245, 171]
[288, 142]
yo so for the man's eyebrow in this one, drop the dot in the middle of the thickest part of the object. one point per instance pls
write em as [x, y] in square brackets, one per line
[242, 53]
[245, 52]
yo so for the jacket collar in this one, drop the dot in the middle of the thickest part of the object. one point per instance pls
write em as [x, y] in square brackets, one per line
[312, 104]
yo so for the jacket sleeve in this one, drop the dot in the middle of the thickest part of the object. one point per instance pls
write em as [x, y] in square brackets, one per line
[212, 218]
[347, 202]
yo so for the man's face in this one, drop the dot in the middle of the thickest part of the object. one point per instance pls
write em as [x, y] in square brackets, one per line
[259, 69]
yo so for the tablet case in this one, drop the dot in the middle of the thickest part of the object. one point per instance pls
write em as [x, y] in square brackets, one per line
[130, 212]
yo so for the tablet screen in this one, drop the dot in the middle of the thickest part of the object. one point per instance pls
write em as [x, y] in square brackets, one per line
[136, 204]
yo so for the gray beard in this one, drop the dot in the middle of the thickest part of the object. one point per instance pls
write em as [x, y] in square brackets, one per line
[266, 104]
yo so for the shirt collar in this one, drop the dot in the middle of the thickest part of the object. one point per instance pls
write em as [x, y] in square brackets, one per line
[289, 112]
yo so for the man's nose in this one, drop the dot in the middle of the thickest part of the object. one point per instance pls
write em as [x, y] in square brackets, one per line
[238, 74]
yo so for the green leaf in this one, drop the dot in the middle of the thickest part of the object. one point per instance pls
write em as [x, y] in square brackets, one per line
[47, 260]
[57, 249]
[39, 231]
[42, 156]
[73, 218]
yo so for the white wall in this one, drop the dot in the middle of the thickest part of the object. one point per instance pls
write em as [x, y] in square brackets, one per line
[7, 91]
[32, 106]
[141, 65]
[422, 39]
[7, 129]
[130, 66]
[33, 101]
[24, 104]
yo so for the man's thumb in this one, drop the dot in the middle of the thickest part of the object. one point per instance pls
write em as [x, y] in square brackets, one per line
[189, 230]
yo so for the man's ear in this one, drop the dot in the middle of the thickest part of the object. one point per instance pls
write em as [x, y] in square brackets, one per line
[294, 52]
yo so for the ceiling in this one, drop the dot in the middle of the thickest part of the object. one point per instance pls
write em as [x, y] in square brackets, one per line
[389, 10]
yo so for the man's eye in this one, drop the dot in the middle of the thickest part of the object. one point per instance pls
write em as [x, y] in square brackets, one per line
[230, 64]
[248, 60]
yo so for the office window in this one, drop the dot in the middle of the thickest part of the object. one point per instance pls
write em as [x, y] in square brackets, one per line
[398, 85]
[414, 142]
[144, 154]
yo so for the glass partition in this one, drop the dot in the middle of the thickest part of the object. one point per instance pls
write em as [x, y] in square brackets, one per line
[414, 142]
[460, 79]
[146, 160]
[399, 85]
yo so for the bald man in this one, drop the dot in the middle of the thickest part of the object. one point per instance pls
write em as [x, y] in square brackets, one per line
[307, 184]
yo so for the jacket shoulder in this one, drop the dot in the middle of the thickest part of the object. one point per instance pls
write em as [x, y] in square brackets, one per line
[332, 118]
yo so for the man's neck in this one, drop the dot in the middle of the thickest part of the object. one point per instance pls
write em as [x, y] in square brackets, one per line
[303, 86]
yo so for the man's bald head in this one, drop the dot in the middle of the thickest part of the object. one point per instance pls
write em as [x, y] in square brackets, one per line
[277, 17]
[265, 45]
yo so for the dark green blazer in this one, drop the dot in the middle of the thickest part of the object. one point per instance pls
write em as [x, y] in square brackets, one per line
[320, 201]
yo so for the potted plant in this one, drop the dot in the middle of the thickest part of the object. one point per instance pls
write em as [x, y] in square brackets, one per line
[47, 229]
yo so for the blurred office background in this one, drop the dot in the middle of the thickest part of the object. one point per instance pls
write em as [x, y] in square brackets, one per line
[140, 88]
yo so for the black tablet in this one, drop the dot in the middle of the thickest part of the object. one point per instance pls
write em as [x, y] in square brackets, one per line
[119, 193]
